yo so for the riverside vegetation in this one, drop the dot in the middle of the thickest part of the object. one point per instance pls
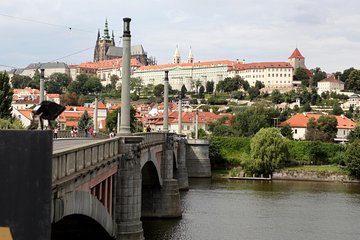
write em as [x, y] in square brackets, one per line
[265, 153]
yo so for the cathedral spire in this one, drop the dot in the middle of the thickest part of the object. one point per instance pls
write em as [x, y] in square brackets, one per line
[106, 30]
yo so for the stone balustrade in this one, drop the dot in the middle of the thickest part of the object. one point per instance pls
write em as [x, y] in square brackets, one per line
[75, 161]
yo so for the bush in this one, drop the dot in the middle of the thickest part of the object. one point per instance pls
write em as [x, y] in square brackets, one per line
[352, 159]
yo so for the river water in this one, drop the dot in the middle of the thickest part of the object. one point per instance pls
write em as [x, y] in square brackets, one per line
[261, 210]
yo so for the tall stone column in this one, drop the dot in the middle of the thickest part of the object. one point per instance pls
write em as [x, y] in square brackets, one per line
[42, 85]
[180, 116]
[96, 115]
[128, 191]
[166, 102]
[125, 85]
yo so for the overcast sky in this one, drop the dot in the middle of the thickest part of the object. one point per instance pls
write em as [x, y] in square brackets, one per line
[327, 32]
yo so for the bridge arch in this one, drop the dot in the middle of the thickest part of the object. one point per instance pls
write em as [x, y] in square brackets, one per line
[83, 203]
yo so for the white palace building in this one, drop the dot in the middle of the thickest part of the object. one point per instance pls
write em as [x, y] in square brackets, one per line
[274, 75]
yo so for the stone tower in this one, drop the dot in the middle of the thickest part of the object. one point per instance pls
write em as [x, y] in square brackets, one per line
[190, 56]
[176, 57]
[297, 60]
[103, 43]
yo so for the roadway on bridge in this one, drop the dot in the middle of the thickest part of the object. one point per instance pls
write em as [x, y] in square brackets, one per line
[66, 143]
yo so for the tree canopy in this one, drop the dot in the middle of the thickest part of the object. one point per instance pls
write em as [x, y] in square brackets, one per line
[269, 151]
[352, 158]
[6, 94]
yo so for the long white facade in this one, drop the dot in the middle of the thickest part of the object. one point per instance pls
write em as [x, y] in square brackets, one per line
[185, 73]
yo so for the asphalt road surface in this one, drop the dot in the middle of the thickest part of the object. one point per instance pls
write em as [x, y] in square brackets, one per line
[61, 144]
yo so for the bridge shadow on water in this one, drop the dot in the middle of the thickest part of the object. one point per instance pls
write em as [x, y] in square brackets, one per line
[78, 227]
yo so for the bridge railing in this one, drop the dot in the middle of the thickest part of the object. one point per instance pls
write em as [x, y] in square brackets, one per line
[69, 162]
[152, 138]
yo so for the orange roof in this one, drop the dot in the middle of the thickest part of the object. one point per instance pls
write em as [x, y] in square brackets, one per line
[27, 89]
[300, 120]
[27, 113]
[107, 64]
[195, 64]
[53, 95]
[261, 65]
[296, 54]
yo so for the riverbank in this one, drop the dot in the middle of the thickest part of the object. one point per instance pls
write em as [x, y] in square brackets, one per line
[324, 173]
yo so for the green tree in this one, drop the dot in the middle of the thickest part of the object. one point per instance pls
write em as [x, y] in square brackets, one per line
[136, 85]
[223, 130]
[269, 151]
[354, 134]
[307, 107]
[353, 81]
[6, 94]
[113, 80]
[251, 119]
[71, 99]
[111, 120]
[337, 110]
[352, 158]
[318, 75]
[210, 87]
[159, 90]
[345, 75]
[183, 91]
[287, 131]
[276, 97]
[316, 153]
[300, 74]
[85, 121]
[92, 85]
[11, 123]
[201, 91]
[19, 81]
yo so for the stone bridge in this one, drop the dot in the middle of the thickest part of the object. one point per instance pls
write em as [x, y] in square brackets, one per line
[101, 189]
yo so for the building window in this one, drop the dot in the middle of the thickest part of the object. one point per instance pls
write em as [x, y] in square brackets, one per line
[295, 131]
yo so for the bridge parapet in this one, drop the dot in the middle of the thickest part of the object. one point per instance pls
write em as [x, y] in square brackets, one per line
[71, 162]
[151, 138]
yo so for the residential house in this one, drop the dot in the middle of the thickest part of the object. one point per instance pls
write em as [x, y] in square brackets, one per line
[330, 84]
[299, 121]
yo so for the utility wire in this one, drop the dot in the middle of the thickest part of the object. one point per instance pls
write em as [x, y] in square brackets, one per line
[46, 23]
[71, 54]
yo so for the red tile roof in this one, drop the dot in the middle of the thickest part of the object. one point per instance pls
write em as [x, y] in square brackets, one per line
[300, 120]
[107, 64]
[296, 54]
[27, 113]
[331, 79]
[262, 65]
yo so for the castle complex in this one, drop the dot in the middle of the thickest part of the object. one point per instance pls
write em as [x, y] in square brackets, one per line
[105, 49]
[274, 75]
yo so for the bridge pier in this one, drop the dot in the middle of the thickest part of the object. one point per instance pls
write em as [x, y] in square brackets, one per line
[182, 172]
[197, 158]
[128, 192]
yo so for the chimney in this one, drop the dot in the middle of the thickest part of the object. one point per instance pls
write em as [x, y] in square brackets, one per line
[243, 61]
[342, 116]
[304, 113]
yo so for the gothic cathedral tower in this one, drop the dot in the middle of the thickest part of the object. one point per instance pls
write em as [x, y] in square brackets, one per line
[102, 44]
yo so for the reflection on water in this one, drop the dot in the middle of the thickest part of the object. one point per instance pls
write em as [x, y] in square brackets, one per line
[278, 210]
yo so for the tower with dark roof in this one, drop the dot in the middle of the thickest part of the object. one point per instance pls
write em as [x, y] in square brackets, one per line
[103, 43]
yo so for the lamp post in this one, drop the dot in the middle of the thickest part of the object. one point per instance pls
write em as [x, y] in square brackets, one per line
[166, 102]
[125, 86]
[96, 114]
[42, 85]
[180, 115]
[197, 121]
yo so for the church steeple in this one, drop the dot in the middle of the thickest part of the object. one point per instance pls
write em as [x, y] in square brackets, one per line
[106, 30]
[176, 57]
[190, 57]
[113, 38]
